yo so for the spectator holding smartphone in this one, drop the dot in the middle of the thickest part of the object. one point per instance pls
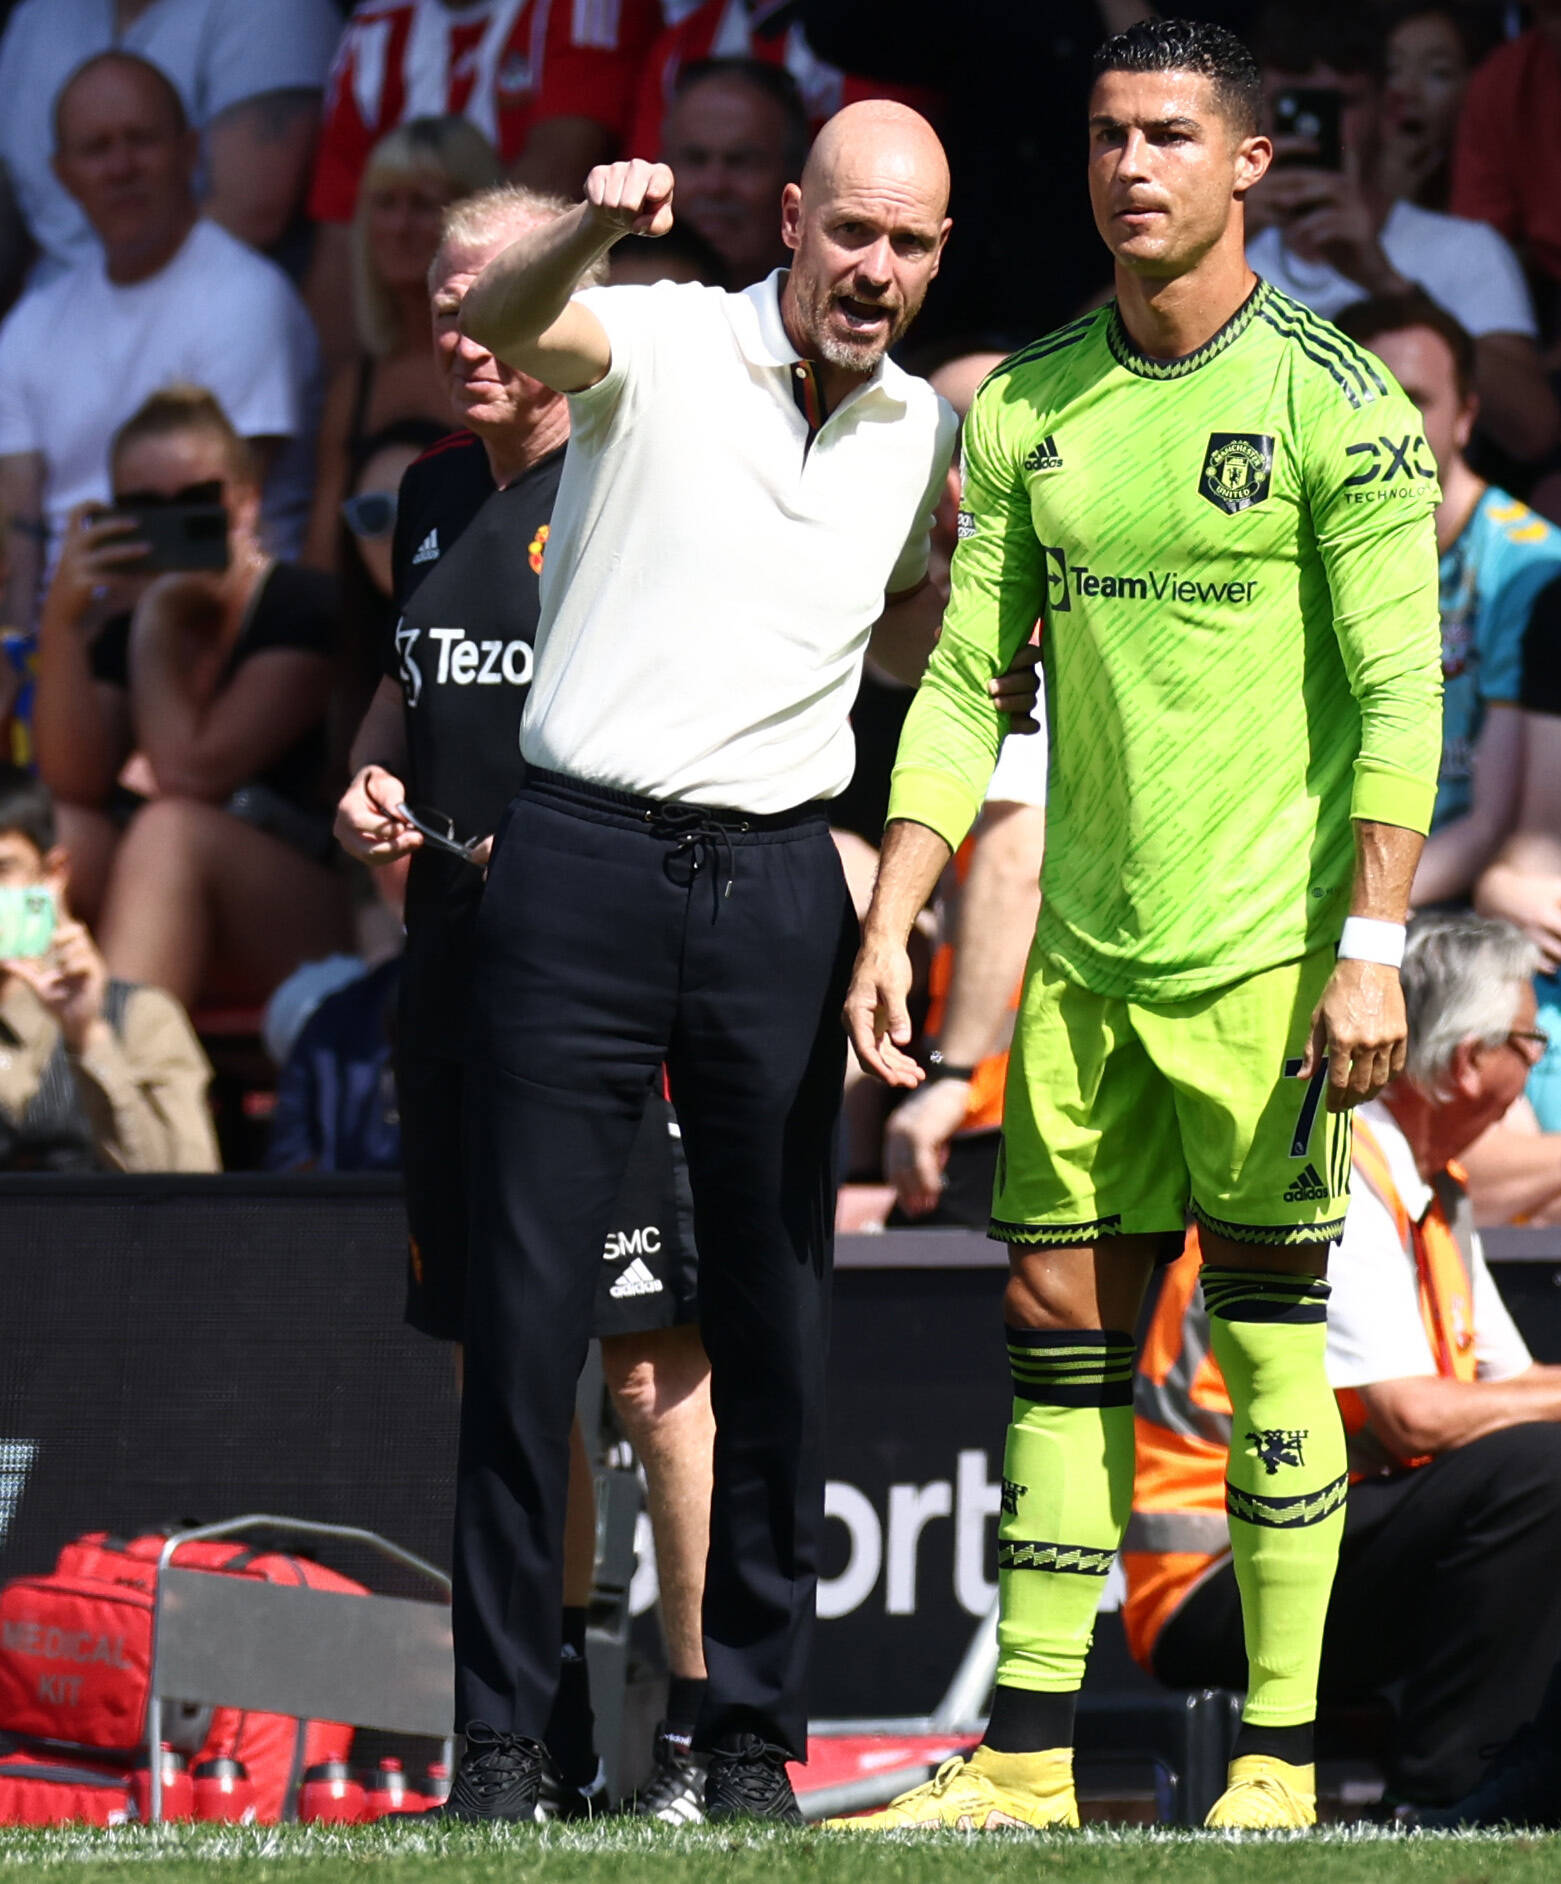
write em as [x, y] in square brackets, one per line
[95, 1074]
[185, 733]
[1335, 231]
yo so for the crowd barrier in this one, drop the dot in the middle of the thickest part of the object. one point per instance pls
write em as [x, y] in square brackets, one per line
[177, 1349]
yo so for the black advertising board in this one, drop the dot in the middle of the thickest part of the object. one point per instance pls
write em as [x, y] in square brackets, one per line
[196, 1348]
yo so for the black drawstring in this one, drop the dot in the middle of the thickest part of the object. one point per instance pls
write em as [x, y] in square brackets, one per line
[698, 832]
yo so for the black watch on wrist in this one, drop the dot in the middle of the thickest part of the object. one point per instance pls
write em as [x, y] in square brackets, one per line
[937, 1067]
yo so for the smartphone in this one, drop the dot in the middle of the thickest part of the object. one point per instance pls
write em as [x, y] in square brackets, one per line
[27, 917]
[1311, 113]
[180, 536]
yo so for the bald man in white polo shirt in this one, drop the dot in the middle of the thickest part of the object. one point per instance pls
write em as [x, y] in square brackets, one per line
[745, 504]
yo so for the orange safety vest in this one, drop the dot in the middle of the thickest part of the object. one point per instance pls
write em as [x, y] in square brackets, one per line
[1178, 1534]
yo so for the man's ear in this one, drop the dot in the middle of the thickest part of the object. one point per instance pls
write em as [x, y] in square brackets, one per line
[791, 216]
[1463, 1071]
[1463, 429]
[1253, 156]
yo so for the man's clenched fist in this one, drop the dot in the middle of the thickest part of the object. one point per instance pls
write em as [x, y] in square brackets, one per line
[632, 196]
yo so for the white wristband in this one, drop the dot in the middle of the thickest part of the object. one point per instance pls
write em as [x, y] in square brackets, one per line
[1364, 939]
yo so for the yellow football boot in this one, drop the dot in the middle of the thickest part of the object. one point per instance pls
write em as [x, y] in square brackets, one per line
[989, 1792]
[1263, 1794]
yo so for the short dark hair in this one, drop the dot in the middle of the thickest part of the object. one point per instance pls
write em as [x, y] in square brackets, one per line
[1190, 46]
[772, 81]
[26, 807]
[113, 56]
[1392, 313]
[1293, 36]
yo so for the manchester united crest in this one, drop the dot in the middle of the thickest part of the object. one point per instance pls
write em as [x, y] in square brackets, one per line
[1237, 470]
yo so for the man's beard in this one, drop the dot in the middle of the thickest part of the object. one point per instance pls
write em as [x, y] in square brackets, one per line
[852, 356]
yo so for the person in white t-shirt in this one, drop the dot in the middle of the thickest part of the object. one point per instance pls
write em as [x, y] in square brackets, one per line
[1447, 1575]
[169, 297]
[1323, 230]
[251, 79]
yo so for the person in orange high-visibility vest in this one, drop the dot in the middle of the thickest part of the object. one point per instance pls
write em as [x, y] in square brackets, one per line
[1448, 1575]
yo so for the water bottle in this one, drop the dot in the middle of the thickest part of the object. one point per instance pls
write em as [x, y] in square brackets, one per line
[330, 1794]
[178, 1791]
[386, 1791]
[224, 1790]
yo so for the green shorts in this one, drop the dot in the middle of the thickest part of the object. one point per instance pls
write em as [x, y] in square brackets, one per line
[1121, 1118]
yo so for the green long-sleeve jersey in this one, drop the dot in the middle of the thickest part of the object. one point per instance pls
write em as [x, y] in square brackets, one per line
[1233, 559]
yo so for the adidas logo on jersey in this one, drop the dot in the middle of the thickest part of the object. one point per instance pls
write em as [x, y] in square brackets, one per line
[1308, 1188]
[1045, 456]
[428, 549]
[635, 1280]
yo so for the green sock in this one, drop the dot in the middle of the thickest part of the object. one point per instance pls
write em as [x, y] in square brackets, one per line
[1286, 1482]
[1067, 1493]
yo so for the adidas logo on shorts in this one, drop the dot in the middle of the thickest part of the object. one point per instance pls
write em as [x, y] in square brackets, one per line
[1308, 1188]
[635, 1280]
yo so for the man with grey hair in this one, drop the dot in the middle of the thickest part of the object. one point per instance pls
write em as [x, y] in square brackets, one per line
[1453, 1526]
[472, 526]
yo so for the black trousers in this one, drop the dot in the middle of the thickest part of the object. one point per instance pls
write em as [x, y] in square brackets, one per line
[1449, 1582]
[616, 934]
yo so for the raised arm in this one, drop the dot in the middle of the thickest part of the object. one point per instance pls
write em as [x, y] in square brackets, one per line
[521, 307]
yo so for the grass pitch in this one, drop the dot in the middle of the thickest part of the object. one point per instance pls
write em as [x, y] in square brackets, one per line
[621, 1853]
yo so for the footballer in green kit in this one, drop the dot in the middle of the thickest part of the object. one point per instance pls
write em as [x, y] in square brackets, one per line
[1220, 509]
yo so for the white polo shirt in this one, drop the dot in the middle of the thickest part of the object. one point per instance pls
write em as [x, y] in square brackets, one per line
[710, 579]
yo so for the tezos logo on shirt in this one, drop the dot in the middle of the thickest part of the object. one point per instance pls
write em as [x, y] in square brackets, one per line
[461, 662]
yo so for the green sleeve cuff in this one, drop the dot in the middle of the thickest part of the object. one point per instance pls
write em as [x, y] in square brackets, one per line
[937, 799]
[1384, 797]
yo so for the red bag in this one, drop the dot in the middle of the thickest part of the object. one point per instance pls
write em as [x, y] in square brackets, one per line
[75, 1660]
[45, 1789]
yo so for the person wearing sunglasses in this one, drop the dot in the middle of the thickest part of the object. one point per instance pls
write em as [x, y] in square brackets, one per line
[437, 759]
[183, 686]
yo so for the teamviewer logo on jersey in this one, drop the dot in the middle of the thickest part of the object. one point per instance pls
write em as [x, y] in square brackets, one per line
[1058, 601]
[1237, 470]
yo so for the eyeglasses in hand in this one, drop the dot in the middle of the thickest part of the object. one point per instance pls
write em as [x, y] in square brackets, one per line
[438, 829]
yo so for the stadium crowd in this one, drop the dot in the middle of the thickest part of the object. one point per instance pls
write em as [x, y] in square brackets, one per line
[241, 424]
[242, 202]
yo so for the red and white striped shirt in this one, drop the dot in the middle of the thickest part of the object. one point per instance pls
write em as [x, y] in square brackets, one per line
[745, 29]
[505, 64]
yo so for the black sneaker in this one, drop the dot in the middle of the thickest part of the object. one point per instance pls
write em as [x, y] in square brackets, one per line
[1521, 1786]
[499, 1777]
[556, 1799]
[747, 1780]
[675, 1792]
